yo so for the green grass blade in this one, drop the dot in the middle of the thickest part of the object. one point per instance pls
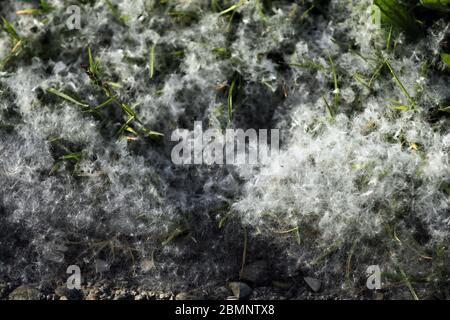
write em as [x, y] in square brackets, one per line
[9, 29]
[336, 85]
[178, 232]
[66, 97]
[105, 103]
[151, 134]
[400, 84]
[395, 13]
[128, 110]
[125, 125]
[327, 105]
[401, 107]
[151, 63]
[230, 100]
[215, 6]
[76, 156]
[232, 8]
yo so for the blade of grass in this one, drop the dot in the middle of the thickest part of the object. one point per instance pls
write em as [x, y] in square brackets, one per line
[105, 103]
[401, 107]
[296, 230]
[309, 64]
[397, 14]
[9, 29]
[125, 126]
[244, 252]
[445, 109]
[233, 7]
[230, 100]
[408, 283]
[175, 234]
[44, 8]
[327, 105]
[66, 97]
[151, 134]
[125, 107]
[93, 64]
[29, 11]
[215, 6]
[306, 13]
[400, 84]
[72, 156]
[336, 85]
[375, 74]
[151, 63]
[359, 78]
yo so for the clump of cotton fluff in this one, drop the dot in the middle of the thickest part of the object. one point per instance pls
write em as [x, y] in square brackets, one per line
[4, 47]
[250, 56]
[121, 201]
[349, 181]
[125, 206]
[108, 196]
[369, 168]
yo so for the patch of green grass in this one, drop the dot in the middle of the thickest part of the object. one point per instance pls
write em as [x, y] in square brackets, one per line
[395, 13]
[132, 124]
[17, 42]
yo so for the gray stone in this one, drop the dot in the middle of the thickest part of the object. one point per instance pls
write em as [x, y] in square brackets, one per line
[313, 283]
[240, 290]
